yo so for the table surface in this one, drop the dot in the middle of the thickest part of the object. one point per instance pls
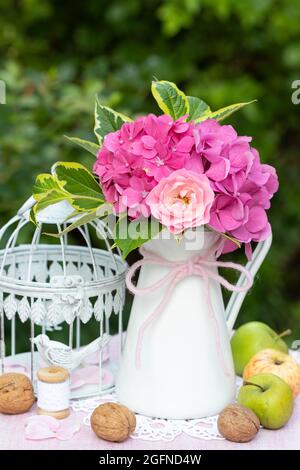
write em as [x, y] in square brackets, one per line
[12, 437]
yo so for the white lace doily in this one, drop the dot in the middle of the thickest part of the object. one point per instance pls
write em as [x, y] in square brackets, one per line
[154, 429]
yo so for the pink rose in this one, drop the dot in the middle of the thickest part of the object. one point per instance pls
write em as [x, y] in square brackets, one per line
[181, 200]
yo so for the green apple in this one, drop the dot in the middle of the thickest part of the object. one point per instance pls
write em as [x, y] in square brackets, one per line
[251, 338]
[269, 397]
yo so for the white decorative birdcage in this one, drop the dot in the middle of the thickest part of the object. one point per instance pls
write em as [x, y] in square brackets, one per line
[60, 287]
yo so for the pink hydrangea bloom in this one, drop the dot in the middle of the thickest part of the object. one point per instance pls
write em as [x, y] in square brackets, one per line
[182, 200]
[135, 159]
[243, 186]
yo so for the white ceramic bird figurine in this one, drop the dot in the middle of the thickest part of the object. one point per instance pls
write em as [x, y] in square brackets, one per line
[59, 354]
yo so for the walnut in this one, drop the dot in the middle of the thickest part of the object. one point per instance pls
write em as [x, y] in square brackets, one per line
[16, 393]
[113, 422]
[238, 424]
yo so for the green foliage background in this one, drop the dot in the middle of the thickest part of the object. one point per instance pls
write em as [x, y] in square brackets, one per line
[54, 57]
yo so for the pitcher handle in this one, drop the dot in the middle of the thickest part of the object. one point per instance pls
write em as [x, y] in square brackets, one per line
[237, 298]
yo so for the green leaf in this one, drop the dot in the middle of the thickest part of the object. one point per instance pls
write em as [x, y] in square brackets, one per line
[80, 184]
[84, 219]
[170, 99]
[130, 235]
[89, 146]
[46, 191]
[71, 182]
[197, 108]
[50, 197]
[107, 120]
[43, 184]
[223, 112]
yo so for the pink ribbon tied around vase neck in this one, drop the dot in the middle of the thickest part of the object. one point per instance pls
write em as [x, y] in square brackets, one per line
[179, 270]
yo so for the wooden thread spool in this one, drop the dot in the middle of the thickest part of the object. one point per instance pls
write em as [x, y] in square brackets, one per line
[53, 392]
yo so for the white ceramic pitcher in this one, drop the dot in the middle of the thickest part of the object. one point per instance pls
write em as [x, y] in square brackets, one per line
[181, 374]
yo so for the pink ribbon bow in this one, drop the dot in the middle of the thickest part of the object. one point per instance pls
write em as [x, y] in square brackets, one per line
[196, 266]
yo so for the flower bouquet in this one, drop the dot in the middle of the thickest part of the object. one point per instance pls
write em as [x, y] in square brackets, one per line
[184, 189]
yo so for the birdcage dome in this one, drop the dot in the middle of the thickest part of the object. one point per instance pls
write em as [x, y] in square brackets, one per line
[57, 283]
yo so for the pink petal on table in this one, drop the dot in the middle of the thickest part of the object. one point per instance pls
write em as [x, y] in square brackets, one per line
[38, 431]
[43, 420]
[66, 431]
[89, 375]
[46, 427]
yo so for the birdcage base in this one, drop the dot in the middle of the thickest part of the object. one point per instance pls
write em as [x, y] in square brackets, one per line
[21, 363]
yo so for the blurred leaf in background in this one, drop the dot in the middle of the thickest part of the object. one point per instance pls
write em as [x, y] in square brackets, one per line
[55, 56]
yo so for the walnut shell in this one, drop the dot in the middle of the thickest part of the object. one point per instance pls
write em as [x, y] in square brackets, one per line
[238, 424]
[113, 422]
[16, 393]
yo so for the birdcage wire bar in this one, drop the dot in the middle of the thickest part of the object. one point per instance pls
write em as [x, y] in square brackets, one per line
[60, 285]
